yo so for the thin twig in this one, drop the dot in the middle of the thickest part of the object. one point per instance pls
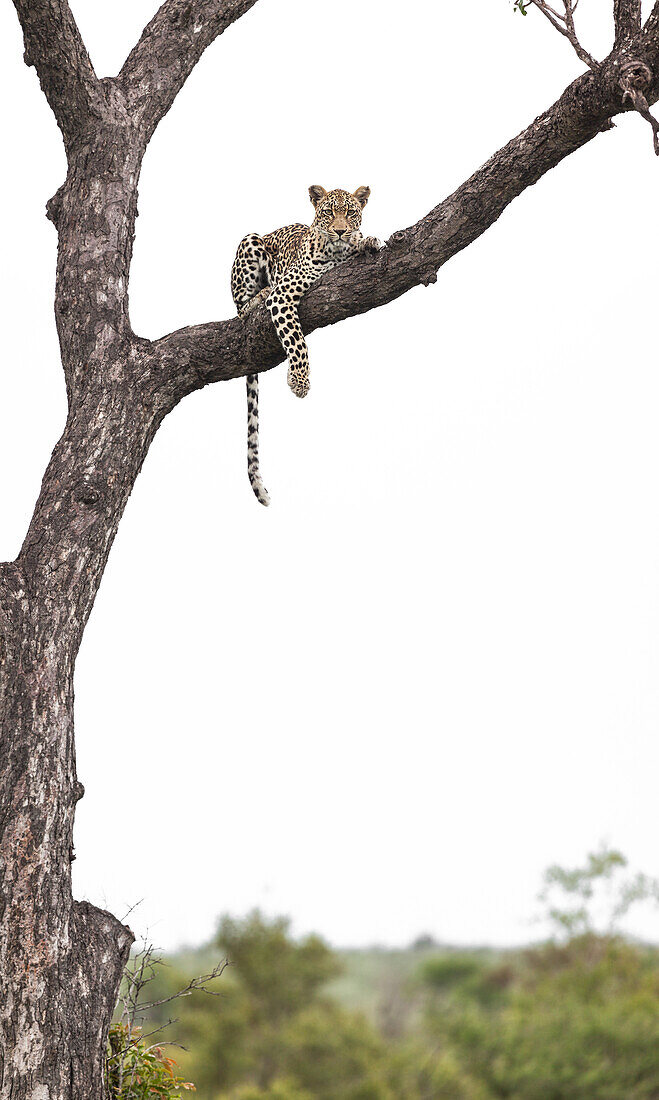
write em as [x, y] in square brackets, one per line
[194, 985]
[564, 24]
[128, 913]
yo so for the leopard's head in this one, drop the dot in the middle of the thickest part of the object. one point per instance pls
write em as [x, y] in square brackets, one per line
[338, 212]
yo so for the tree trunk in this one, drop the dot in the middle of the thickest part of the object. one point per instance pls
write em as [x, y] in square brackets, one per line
[61, 961]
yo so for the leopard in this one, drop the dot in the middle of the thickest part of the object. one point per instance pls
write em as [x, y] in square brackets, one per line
[278, 269]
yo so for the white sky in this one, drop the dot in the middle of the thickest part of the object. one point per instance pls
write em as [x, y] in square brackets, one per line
[386, 703]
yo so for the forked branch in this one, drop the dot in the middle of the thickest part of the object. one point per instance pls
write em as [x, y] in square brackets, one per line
[636, 76]
[564, 24]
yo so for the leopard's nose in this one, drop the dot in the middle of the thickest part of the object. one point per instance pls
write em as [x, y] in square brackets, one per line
[340, 232]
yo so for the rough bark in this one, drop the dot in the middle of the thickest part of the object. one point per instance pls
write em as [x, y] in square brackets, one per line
[627, 18]
[168, 50]
[60, 961]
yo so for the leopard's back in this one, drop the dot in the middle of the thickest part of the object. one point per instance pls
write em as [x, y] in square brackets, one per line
[285, 246]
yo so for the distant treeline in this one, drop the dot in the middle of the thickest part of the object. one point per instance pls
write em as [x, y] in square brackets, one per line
[576, 1018]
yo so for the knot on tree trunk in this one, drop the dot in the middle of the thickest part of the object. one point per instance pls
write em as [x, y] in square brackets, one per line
[182, 14]
[54, 206]
[635, 76]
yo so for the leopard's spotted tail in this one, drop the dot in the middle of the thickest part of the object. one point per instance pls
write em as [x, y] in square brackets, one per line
[260, 491]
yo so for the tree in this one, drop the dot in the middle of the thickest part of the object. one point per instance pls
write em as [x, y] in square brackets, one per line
[60, 960]
[596, 897]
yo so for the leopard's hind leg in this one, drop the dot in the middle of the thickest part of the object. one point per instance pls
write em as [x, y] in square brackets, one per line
[250, 279]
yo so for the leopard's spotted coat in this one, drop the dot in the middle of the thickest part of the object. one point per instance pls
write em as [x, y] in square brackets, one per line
[279, 268]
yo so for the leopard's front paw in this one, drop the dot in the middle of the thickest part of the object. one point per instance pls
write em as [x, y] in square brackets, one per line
[298, 382]
[373, 244]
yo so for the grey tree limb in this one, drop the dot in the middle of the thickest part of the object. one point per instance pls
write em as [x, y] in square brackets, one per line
[171, 45]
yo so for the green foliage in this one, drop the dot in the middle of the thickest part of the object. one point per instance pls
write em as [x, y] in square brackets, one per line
[280, 975]
[468, 976]
[580, 1024]
[521, 6]
[297, 1042]
[136, 1071]
[600, 890]
[278, 1090]
[335, 1054]
[452, 971]
[218, 1031]
[419, 1070]
[274, 1034]
[573, 1019]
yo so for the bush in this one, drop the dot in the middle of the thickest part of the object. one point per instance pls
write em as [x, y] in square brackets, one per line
[135, 1071]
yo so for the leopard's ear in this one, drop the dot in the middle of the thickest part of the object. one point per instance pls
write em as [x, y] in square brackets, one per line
[316, 193]
[361, 194]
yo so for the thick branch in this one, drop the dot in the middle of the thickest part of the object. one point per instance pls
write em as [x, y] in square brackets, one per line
[167, 52]
[194, 356]
[54, 46]
[627, 15]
